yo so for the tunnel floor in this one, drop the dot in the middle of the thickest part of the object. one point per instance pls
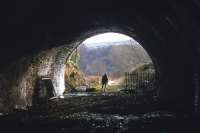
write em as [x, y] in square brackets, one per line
[98, 113]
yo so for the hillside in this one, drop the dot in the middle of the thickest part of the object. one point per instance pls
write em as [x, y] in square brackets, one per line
[111, 58]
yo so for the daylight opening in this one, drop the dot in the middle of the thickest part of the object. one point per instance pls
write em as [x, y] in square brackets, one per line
[109, 63]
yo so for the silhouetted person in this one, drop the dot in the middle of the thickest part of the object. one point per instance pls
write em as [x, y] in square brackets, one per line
[104, 82]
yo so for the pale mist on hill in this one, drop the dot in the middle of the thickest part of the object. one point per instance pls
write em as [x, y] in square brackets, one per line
[114, 58]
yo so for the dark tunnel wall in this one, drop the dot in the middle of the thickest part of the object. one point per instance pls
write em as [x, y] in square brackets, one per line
[19, 77]
[18, 80]
[168, 30]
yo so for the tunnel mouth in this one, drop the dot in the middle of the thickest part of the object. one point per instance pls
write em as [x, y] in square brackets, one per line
[84, 102]
[52, 73]
[103, 39]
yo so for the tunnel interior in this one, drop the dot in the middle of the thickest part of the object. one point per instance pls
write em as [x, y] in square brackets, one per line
[38, 37]
[51, 63]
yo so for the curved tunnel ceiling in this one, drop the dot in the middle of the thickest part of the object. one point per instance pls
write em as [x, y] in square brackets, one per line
[53, 23]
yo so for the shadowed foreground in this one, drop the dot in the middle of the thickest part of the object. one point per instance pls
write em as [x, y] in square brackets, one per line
[98, 113]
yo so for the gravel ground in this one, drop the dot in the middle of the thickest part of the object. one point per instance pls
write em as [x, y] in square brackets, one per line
[98, 113]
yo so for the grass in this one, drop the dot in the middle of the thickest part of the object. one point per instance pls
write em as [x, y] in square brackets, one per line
[114, 88]
[110, 88]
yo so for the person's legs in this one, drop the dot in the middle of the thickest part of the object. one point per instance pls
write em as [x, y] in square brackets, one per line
[103, 88]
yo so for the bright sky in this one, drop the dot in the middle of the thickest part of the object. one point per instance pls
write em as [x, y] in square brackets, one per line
[107, 37]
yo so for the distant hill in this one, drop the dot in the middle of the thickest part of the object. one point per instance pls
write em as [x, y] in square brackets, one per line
[115, 59]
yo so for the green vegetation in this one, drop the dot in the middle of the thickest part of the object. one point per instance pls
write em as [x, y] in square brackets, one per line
[110, 88]
[144, 67]
[141, 79]
[73, 76]
[74, 58]
[114, 88]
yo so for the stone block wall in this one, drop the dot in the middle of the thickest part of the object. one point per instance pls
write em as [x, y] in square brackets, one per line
[18, 78]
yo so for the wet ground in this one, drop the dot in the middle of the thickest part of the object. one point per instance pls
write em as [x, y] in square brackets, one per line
[99, 113]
